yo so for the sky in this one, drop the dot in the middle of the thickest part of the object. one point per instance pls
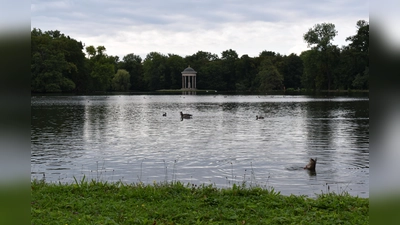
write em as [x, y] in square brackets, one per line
[186, 27]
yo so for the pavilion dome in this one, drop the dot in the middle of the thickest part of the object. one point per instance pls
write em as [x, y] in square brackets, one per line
[189, 70]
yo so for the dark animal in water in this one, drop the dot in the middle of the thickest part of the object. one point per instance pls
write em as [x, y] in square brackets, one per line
[311, 164]
[186, 116]
[165, 114]
[259, 117]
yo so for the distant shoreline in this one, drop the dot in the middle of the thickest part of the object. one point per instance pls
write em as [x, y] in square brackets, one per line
[186, 90]
[207, 91]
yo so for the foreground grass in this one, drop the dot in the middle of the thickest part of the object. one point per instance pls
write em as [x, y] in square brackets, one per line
[91, 202]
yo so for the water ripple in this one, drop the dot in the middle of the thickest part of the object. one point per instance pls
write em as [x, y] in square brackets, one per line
[127, 138]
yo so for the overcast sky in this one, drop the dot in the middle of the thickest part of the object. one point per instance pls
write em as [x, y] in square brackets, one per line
[186, 27]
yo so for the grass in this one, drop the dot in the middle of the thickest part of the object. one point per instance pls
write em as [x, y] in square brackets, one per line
[94, 202]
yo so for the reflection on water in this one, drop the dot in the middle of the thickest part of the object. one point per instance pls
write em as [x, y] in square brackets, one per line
[127, 138]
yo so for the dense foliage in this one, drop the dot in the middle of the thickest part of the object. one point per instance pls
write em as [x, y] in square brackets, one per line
[62, 64]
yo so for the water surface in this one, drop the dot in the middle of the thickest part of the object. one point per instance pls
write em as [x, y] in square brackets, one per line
[113, 138]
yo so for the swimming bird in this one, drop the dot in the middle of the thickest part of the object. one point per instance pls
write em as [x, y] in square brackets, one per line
[311, 164]
[164, 114]
[259, 117]
[186, 116]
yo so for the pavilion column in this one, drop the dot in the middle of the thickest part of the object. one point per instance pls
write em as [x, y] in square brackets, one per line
[189, 79]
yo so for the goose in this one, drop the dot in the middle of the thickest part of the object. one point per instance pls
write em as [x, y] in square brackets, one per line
[311, 164]
[186, 116]
[164, 114]
[259, 117]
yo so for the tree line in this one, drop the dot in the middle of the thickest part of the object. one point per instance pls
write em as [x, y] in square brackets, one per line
[60, 63]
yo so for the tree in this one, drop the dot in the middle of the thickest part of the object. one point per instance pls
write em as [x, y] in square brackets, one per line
[362, 81]
[359, 51]
[319, 39]
[360, 41]
[246, 70]
[311, 71]
[121, 81]
[320, 36]
[345, 71]
[266, 53]
[201, 63]
[101, 68]
[200, 59]
[91, 51]
[57, 62]
[175, 64]
[228, 59]
[133, 64]
[268, 77]
[211, 76]
[154, 69]
[292, 71]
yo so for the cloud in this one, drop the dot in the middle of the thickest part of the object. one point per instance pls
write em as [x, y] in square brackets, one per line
[183, 27]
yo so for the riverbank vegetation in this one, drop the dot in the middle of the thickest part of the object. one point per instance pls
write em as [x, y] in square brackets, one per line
[60, 63]
[93, 202]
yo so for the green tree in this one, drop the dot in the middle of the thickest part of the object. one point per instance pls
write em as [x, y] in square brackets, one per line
[228, 61]
[360, 41]
[91, 51]
[175, 64]
[268, 77]
[352, 70]
[57, 62]
[133, 64]
[319, 39]
[154, 69]
[200, 59]
[101, 68]
[362, 81]
[210, 76]
[292, 71]
[121, 81]
[311, 78]
[246, 72]
[345, 72]
[276, 59]
[359, 50]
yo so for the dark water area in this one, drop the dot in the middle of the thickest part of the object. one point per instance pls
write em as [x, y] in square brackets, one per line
[127, 138]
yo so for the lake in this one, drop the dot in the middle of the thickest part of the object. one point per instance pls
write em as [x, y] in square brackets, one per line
[127, 138]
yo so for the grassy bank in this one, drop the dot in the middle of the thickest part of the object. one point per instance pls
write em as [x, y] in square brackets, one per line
[91, 202]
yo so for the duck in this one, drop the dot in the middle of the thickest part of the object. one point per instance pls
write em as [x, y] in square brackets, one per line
[186, 116]
[259, 117]
[311, 164]
[164, 114]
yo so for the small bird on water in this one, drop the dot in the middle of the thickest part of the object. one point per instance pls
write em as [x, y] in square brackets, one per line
[186, 116]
